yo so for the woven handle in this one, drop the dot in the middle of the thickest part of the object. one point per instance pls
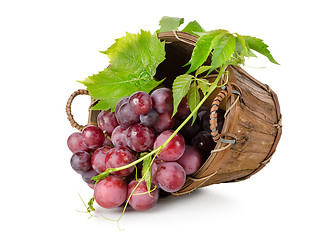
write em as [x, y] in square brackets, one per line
[213, 111]
[68, 108]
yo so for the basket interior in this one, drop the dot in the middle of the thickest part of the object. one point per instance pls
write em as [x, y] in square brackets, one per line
[177, 55]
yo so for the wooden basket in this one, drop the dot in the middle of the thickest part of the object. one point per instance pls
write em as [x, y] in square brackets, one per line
[252, 126]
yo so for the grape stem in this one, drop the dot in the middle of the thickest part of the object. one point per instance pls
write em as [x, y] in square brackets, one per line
[156, 151]
[109, 170]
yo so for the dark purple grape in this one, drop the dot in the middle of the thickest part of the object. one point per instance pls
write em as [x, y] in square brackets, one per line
[140, 199]
[140, 102]
[164, 122]
[201, 114]
[106, 120]
[191, 160]
[81, 161]
[93, 136]
[174, 149]
[150, 118]
[87, 175]
[190, 129]
[140, 138]
[110, 192]
[170, 176]
[162, 100]
[183, 109]
[126, 116]
[119, 104]
[75, 143]
[119, 137]
[204, 142]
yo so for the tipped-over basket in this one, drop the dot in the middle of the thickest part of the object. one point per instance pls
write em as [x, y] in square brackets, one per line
[252, 122]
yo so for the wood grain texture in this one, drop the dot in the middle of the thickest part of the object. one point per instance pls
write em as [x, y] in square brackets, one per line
[255, 128]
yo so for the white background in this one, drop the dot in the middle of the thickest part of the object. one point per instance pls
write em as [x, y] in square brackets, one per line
[45, 46]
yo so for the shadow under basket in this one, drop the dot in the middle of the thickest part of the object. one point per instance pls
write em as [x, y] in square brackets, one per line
[252, 122]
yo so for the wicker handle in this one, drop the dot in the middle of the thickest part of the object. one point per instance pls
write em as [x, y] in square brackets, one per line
[68, 108]
[225, 92]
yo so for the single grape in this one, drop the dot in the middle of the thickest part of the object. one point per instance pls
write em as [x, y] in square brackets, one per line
[93, 136]
[119, 104]
[201, 114]
[119, 137]
[140, 102]
[110, 192]
[190, 129]
[117, 108]
[164, 122]
[191, 160]
[183, 109]
[75, 143]
[202, 110]
[170, 176]
[140, 199]
[126, 116]
[106, 120]
[150, 118]
[203, 142]
[140, 138]
[98, 159]
[87, 175]
[174, 149]
[118, 157]
[162, 100]
[81, 161]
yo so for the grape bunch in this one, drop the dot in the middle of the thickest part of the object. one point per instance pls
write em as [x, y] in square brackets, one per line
[139, 124]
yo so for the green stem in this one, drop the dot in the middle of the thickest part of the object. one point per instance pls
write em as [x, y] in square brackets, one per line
[201, 80]
[109, 170]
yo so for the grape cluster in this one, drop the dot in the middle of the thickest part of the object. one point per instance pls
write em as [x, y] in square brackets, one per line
[140, 123]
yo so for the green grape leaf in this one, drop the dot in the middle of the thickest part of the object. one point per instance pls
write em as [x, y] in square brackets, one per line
[203, 84]
[193, 99]
[193, 28]
[147, 170]
[180, 88]
[259, 46]
[202, 69]
[224, 48]
[203, 47]
[133, 62]
[170, 24]
[240, 49]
